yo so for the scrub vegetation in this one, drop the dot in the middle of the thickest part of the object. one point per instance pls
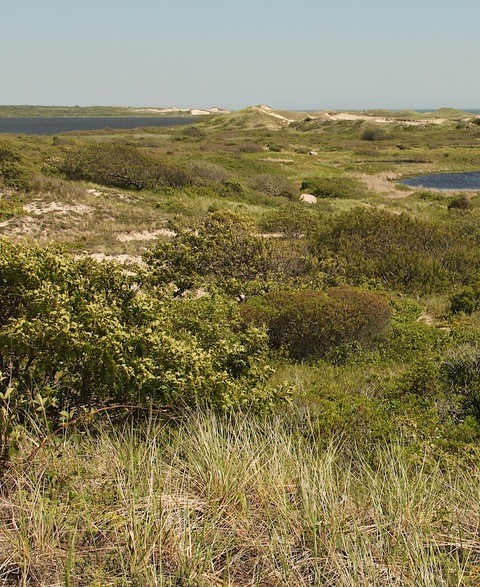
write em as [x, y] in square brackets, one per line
[205, 380]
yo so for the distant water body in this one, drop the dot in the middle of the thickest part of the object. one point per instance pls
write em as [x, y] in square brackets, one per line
[53, 126]
[447, 181]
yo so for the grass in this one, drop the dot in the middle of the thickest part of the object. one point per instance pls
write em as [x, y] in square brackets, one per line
[239, 502]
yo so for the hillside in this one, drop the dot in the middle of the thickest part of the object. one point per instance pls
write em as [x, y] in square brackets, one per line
[241, 352]
[78, 111]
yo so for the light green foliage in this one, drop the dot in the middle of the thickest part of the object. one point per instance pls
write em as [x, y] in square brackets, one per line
[84, 333]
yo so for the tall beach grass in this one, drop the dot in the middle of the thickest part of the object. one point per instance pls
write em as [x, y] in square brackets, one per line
[234, 502]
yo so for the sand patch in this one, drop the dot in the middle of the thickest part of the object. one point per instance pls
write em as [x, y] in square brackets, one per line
[60, 208]
[145, 235]
[381, 119]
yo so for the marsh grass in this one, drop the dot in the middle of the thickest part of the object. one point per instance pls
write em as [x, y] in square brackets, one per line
[238, 502]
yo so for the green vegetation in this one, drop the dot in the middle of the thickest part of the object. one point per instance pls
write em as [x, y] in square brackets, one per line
[206, 381]
[52, 111]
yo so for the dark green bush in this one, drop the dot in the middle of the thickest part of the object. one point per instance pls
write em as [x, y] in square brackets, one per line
[461, 372]
[122, 166]
[467, 300]
[310, 324]
[272, 184]
[334, 187]
[373, 133]
[461, 203]
[397, 250]
[223, 251]
[12, 171]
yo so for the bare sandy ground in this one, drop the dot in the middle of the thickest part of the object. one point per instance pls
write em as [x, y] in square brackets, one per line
[144, 235]
[381, 119]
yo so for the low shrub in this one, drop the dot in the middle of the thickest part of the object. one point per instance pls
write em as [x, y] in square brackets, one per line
[12, 170]
[223, 251]
[122, 166]
[274, 185]
[460, 203]
[373, 133]
[334, 187]
[311, 324]
[396, 249]
[77, 333]
[467, 300]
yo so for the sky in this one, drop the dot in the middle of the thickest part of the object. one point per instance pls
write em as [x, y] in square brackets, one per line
[299, 55]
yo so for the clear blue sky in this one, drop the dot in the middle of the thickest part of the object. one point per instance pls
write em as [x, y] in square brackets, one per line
[304, 54]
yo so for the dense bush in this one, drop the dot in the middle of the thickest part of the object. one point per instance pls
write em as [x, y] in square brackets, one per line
[224, 251]
[122, 166]
[397, 250]
[334, 187]
[467, 300]
[79, 333]
[461, 371]
[311, 324]
[461, 203]
[373, 133]
[272, 184]
[205, 172]
[12, 171]
[293, 220]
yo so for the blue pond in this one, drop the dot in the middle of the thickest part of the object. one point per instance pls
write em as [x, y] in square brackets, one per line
[447, 181]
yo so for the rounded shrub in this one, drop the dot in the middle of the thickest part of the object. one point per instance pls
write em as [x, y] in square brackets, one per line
[310, 323]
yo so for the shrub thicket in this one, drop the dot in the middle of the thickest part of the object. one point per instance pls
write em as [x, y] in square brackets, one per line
[122, 166]
[80, 333]
[223, 251]
[311, 324]
[397, 250]
[334, 187]
[275, 185]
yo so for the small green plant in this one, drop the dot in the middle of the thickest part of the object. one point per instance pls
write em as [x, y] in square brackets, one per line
[373, 133]
[460, 203]
[334, 187]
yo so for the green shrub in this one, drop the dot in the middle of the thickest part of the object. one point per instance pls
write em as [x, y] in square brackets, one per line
[293, 220]
[233, 188]
[467, 300]
[12, 171]
[461, 203]
[223, 251]
[397, 250]
[205, 172]
[373, 133]
[311, 324]
[274, 185]
[461, 372]
[334, 187]
[250, 148]
[122, 166]
[77, 333]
